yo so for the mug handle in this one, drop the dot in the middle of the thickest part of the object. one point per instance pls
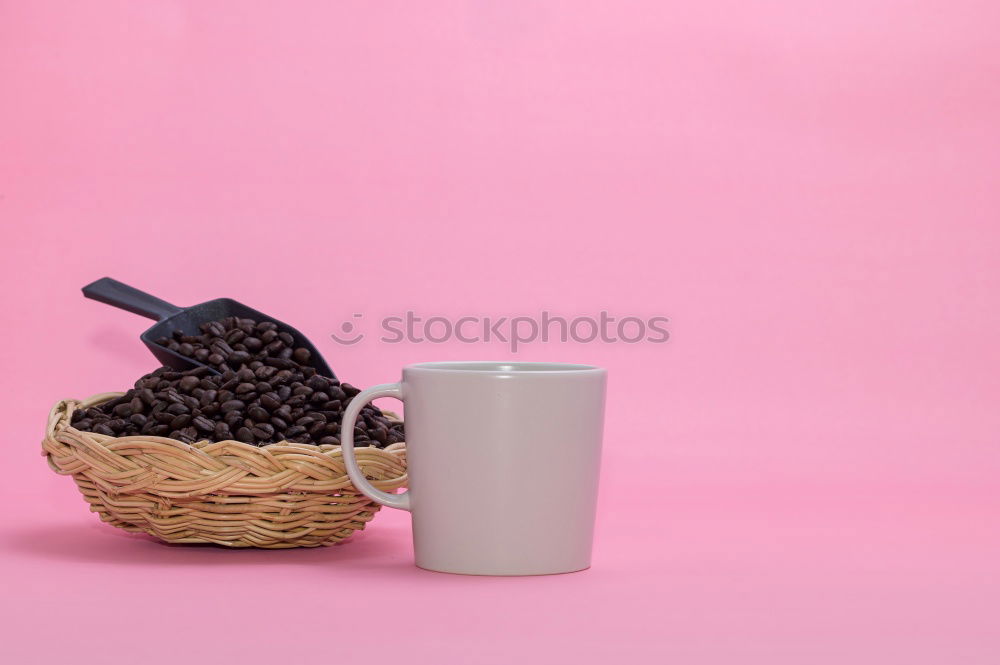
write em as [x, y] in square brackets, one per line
[401, 501]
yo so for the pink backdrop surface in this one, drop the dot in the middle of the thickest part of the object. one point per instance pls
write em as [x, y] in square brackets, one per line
[807, 472]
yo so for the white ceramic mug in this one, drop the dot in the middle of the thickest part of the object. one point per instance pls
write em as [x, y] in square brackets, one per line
[503, 461]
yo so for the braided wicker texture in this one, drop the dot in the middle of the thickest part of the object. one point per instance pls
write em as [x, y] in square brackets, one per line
[227, 493]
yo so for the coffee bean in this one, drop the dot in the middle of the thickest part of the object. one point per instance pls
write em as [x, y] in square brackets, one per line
[163, 416]
[181, 421]
[258, 413]
[214, 328]
[237, 358]
[233, 405]
[263, 431]
[219, 346]
[187, 435]
[263, 390]
[264, 372]
[188, 383]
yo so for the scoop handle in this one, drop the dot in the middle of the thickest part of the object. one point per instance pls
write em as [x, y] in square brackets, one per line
[112, 292]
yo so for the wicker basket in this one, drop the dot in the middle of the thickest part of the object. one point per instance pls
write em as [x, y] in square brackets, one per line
[227, 493]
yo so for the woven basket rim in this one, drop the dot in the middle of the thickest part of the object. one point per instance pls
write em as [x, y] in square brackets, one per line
[230, 453]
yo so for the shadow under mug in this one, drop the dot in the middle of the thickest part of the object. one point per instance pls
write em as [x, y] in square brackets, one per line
[503, 461]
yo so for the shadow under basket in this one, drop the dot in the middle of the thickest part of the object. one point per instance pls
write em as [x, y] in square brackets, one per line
[227, 493]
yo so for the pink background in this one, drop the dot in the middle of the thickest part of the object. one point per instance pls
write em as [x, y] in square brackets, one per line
[806, 472]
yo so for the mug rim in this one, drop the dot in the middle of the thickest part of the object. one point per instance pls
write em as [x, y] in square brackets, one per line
[509, 367]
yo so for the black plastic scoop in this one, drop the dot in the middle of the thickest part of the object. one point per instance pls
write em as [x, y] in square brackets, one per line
[187, 320]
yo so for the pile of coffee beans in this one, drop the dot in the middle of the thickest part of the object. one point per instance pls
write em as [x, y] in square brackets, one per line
[264, 400]
[232, 342]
